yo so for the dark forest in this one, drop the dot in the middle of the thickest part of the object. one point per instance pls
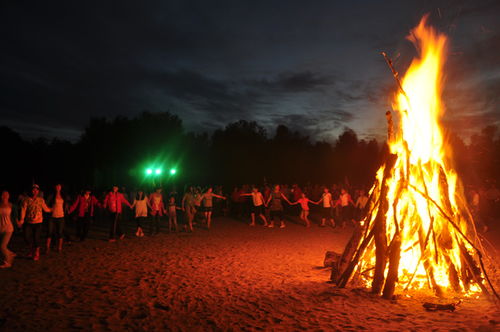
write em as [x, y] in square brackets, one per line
[118, 151]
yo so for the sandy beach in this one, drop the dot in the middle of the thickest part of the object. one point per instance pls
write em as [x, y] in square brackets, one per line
[232, 277]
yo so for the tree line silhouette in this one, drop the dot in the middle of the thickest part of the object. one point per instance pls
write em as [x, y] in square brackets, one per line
[118, 151]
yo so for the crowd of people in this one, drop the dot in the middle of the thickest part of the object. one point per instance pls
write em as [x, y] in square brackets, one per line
[39, 216]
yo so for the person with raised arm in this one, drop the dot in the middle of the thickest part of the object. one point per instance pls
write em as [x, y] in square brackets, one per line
[257, 205]
[304, 206]
[207, 202]
[113, 202]
[85, 205]
[276, 207]
[327, 207]
[32, 210]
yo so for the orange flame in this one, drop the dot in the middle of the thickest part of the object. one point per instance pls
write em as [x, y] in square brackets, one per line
[423, 193]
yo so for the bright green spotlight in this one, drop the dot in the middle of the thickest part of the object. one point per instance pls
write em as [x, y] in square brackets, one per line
[173, 171]
[158, 171]
[149, 171]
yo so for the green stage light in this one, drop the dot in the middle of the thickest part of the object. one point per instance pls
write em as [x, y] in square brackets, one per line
[149, 171]
[158, 171]
[173, 171]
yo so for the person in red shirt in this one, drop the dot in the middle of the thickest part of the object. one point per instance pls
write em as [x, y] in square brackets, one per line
[85, 206]
[304, 205]
[114, 204]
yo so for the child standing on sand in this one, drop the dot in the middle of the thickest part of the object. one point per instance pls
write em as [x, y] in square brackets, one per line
[172, 214]
[304, 205]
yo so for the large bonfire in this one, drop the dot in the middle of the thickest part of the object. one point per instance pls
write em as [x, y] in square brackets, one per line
[418, 231]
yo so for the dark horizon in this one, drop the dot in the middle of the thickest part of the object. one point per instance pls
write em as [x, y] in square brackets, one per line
[314, 68]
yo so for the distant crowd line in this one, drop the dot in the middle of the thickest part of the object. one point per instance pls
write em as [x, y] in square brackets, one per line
[197, 205]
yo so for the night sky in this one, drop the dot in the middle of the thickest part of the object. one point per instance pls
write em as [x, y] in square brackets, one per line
[311, 65]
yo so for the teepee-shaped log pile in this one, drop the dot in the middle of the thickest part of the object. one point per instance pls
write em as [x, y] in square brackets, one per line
[374, 253]
[417, 231]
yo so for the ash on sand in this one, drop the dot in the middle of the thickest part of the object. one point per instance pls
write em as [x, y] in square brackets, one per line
[231, 277]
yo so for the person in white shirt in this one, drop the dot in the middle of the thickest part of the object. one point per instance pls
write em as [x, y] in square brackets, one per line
[6, 230]
[56, 222]
[327, 208]
[345, 202]
[257, 206]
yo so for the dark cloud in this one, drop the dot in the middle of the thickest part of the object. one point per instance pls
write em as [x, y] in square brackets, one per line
[313, 66]
[317, 125]
[294, 82]
[478, 7]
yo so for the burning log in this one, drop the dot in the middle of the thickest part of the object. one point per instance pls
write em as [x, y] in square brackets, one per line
[392, 273]
[454, 278]
[345, 274]
[346, 257]
[390, 126]
[380, 244]
[342, 271]
[436, 307]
